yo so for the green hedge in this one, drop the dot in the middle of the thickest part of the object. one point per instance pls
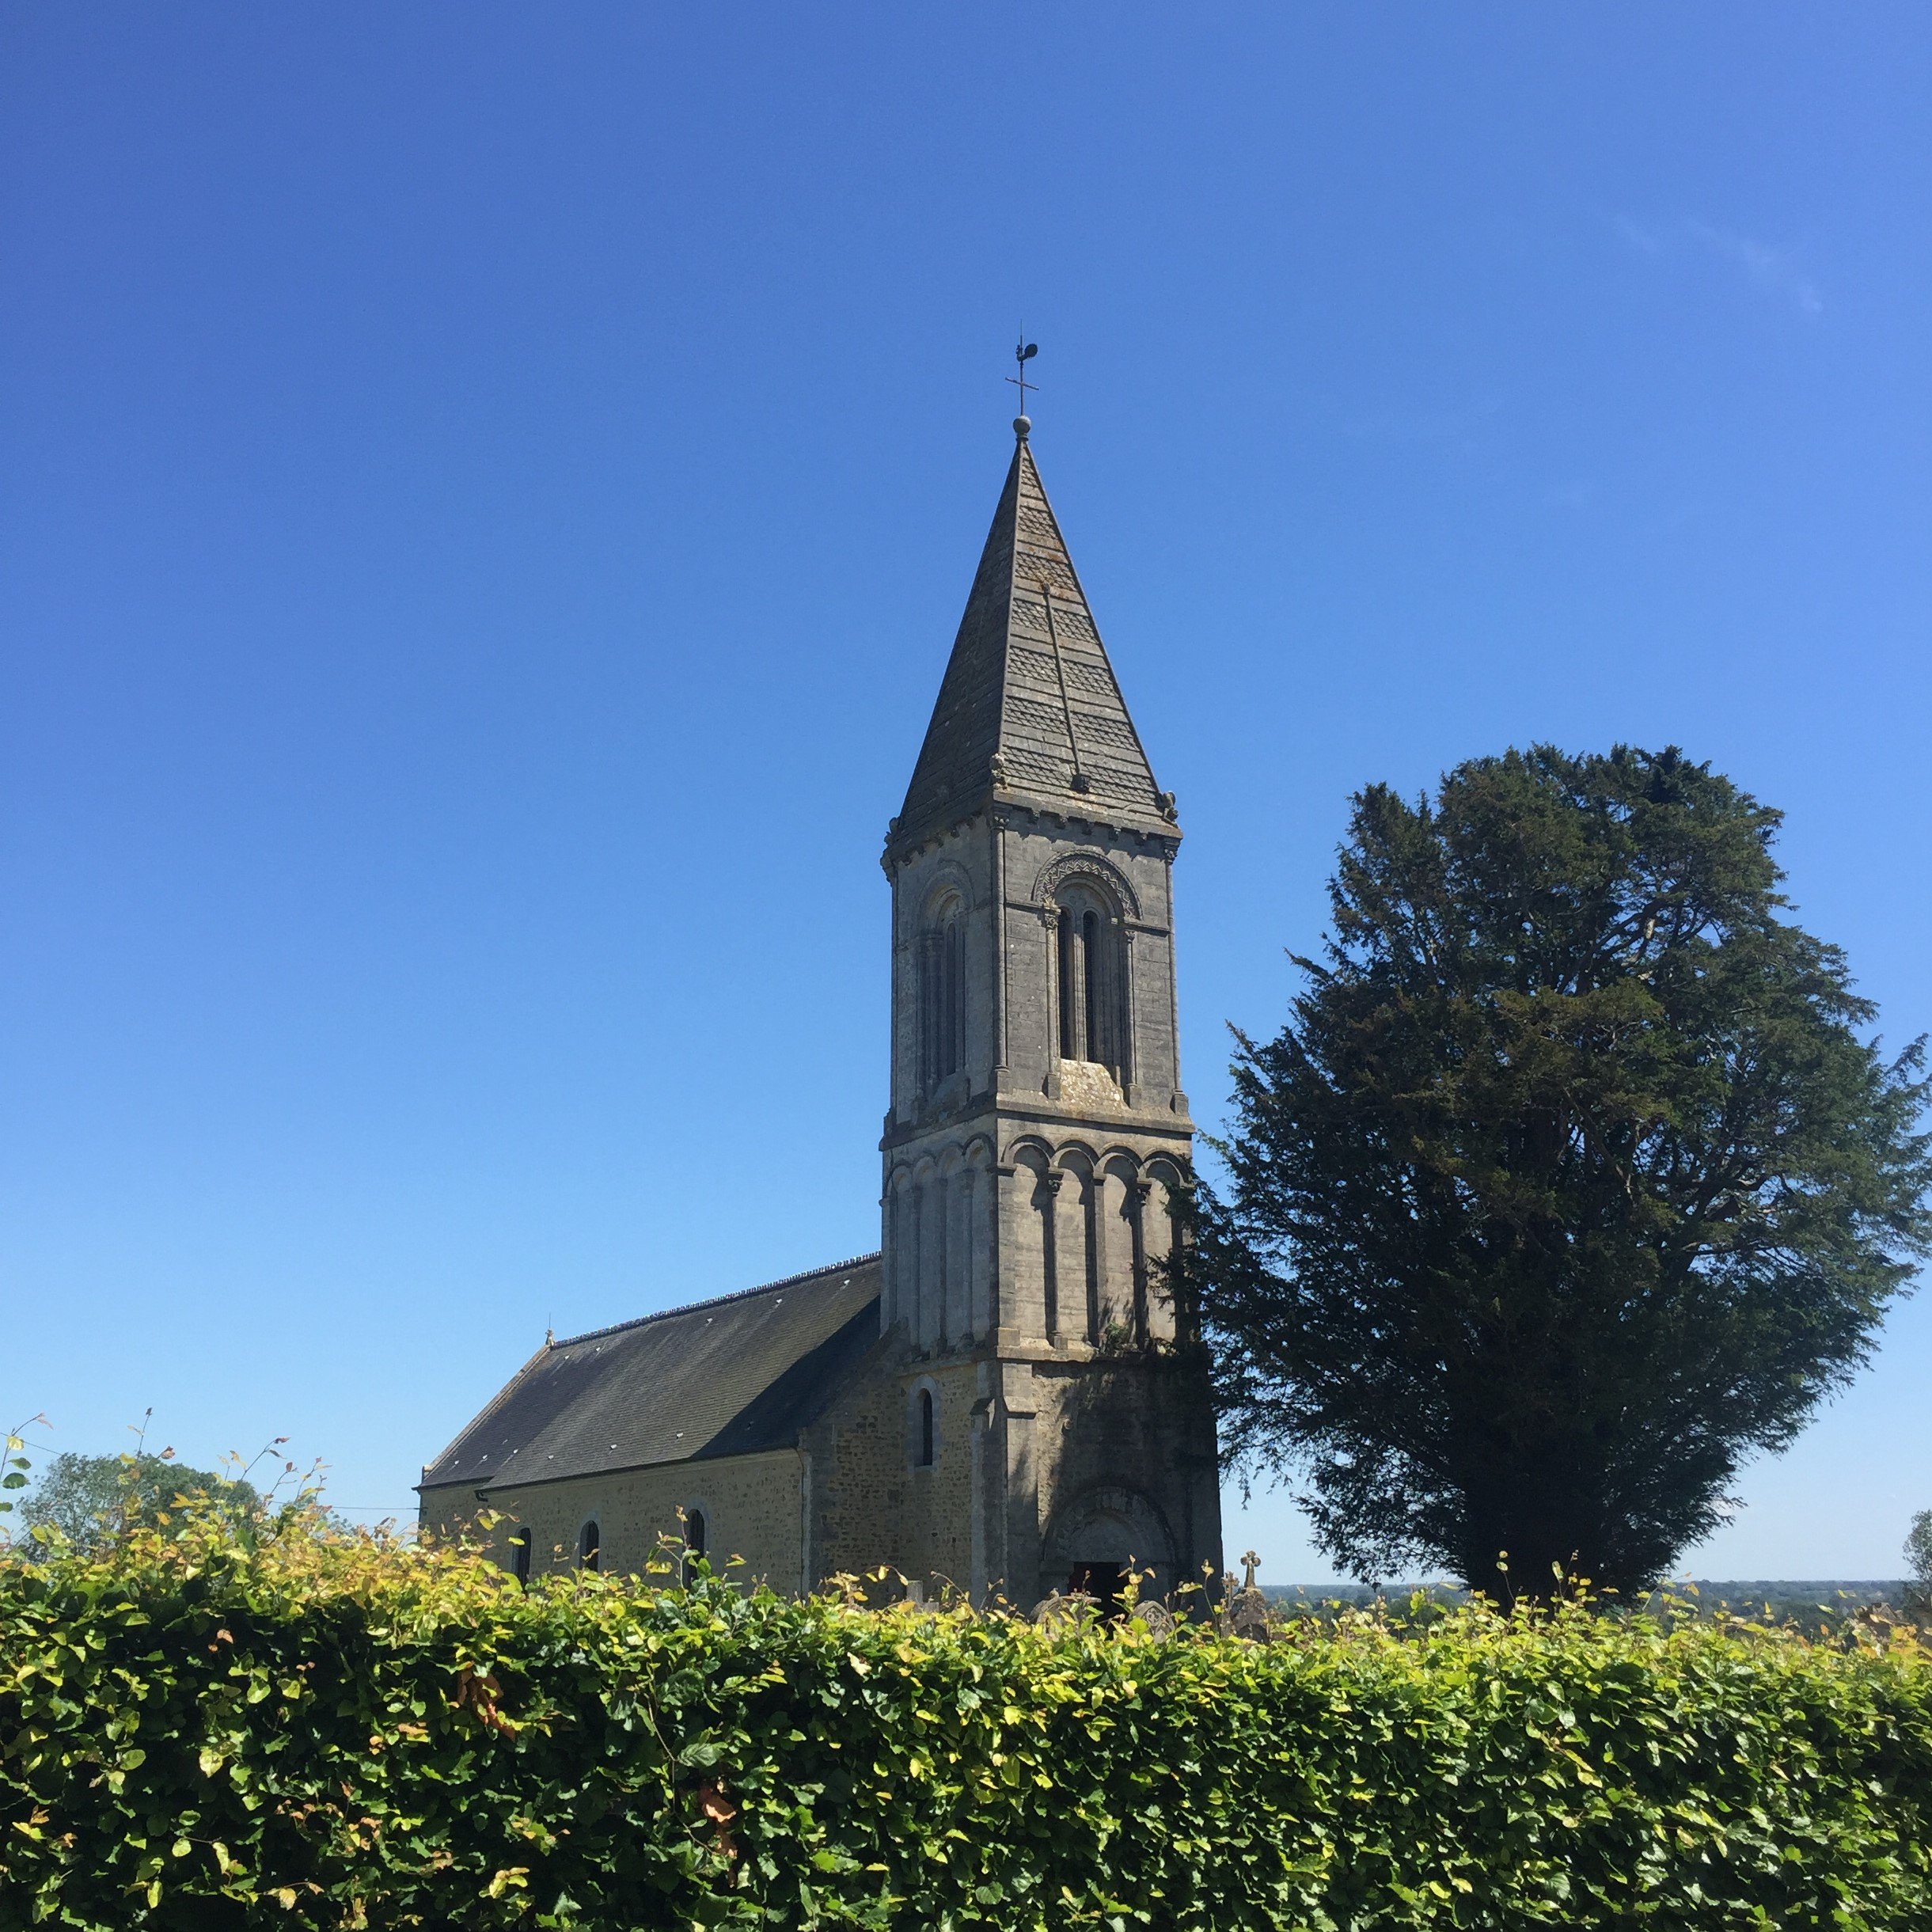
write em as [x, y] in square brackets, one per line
[319, 1732]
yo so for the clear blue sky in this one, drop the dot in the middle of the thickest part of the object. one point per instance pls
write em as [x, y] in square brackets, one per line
[488, 491]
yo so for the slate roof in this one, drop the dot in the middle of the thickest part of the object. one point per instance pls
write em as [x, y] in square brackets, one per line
[1028, 682]
[747, 1371]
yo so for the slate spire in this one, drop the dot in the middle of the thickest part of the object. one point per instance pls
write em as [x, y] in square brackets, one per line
[1029, 708]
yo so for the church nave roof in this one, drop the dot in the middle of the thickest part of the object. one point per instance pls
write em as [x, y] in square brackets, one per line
[726, 1377]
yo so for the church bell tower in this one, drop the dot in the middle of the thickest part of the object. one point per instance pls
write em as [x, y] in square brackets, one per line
[1038, 1129]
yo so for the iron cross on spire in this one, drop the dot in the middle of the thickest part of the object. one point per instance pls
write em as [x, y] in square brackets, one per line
[1022, 355]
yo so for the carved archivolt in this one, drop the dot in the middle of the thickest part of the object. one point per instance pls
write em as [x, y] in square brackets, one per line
[1047, 887]
[1111, 1524]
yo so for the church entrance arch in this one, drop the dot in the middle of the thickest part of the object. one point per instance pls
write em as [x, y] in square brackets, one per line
[1097, 1536]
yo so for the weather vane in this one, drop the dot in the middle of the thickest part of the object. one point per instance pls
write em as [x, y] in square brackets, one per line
[1023, 354]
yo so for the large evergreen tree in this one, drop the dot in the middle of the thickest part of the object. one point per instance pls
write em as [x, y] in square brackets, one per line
[1572, 1179]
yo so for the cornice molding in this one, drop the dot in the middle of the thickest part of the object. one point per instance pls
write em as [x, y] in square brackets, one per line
[1003, 811]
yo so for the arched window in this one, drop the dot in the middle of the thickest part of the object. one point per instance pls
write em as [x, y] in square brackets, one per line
[1093, 981]
[520, 1555]
[942, 994]
[927, 1447]
[1096, 1003]
[696, 1532]
[588, 1539]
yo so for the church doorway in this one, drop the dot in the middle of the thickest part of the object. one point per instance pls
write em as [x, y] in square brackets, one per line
[1096, 1537]
[1106, 1583]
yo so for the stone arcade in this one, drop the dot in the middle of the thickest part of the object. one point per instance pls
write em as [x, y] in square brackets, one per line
[1005, 1399]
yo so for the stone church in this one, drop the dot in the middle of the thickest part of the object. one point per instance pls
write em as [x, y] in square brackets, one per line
[1005, 1399]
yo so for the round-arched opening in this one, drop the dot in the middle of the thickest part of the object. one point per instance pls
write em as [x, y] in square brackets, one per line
[941, 992]
[1097, 1539]
[588, 1540]
[1092, 978]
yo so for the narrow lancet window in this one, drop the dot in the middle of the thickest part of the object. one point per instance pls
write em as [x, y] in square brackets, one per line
[587, 1540]
[1093, 983]
[942, 996]
[1071, 1043]
[1097, 1030]
[928, 1442]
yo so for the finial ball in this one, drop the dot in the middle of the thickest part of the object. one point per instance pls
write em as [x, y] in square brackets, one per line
[1021, 424]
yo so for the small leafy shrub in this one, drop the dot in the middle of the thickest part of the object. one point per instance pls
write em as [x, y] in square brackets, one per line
[295, 1728]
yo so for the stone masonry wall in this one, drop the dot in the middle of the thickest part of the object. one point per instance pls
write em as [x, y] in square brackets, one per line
[871, 1503]
[751, 1506]
[1124, 1454]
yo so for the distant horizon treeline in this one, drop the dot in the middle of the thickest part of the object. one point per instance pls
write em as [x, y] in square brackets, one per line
[1814, 1604]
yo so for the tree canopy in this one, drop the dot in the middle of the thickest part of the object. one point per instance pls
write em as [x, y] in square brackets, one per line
[1573, 1178]
[89, 1498]
[1919, 1547]
[1918, 1556]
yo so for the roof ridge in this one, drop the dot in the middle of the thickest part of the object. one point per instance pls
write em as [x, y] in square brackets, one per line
[714, 1301]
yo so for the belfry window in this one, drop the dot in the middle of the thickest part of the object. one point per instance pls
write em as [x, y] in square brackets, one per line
[1093, 982]
[941, 996]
